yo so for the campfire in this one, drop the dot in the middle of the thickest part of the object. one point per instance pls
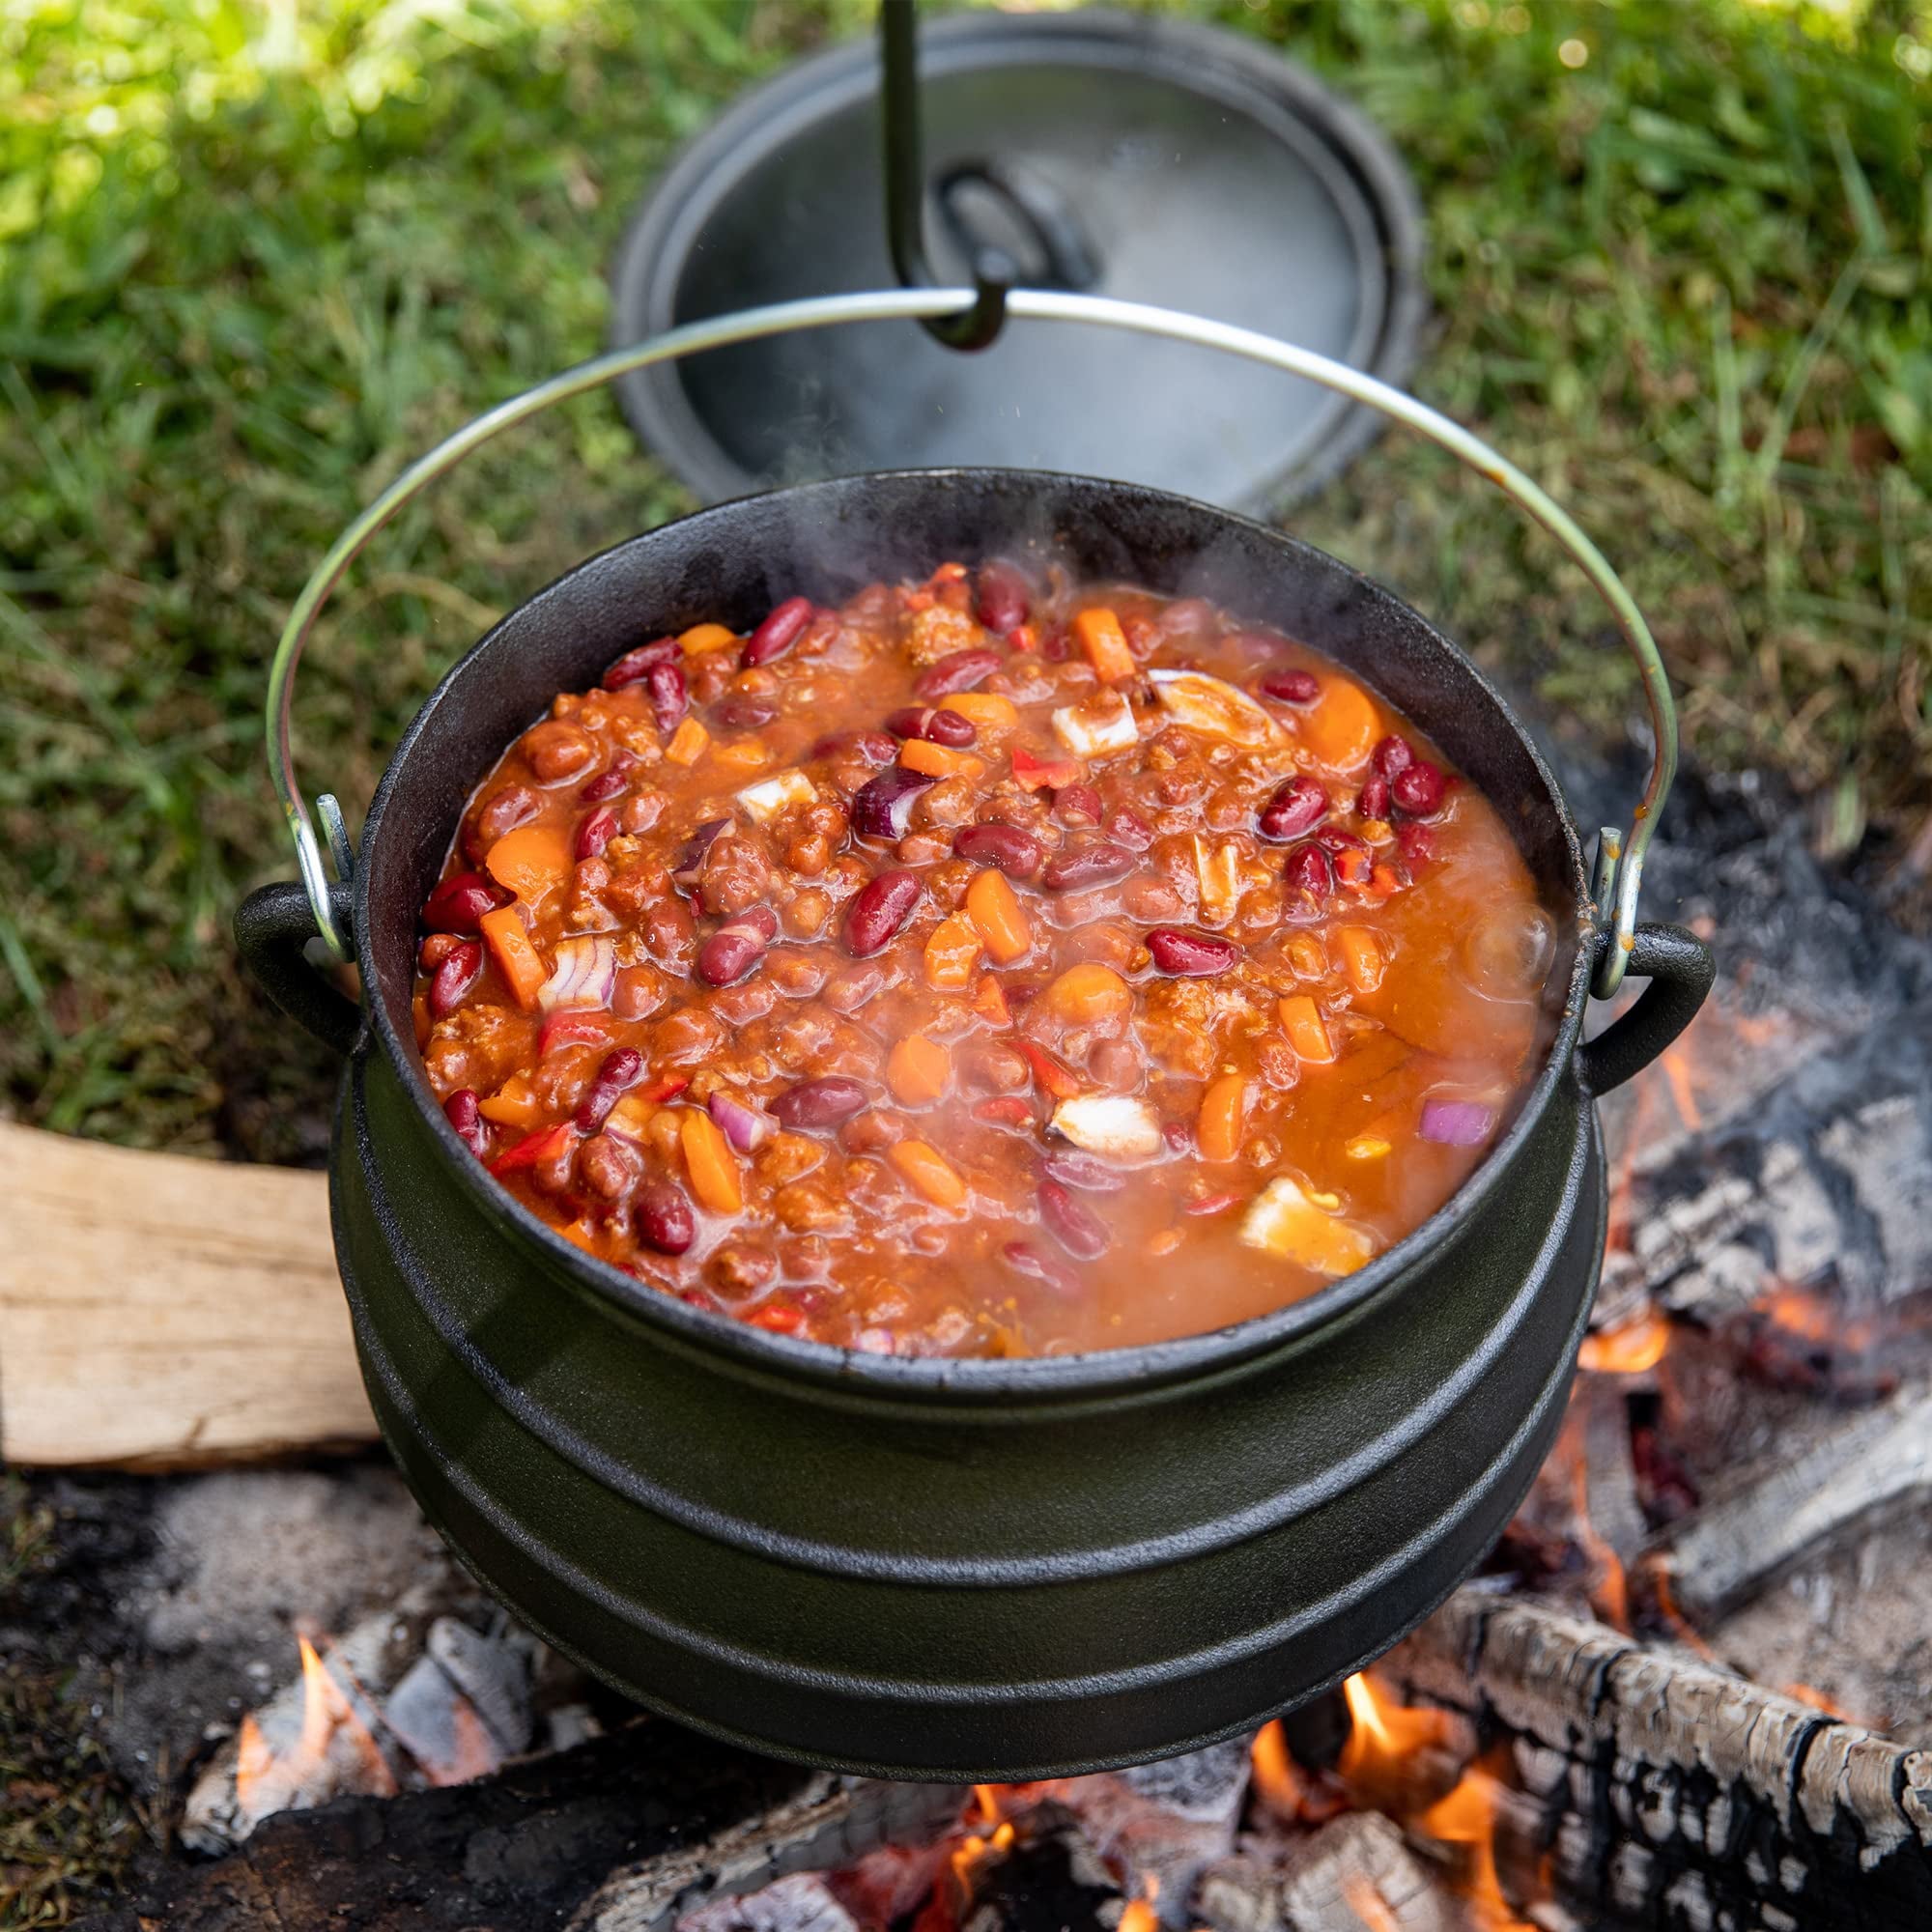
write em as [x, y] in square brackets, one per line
[1687, 1691]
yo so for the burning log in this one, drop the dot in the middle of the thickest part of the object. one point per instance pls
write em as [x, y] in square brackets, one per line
[619, 1835]
[1356, 1874]
[1677, 1792]
[1729, 1551]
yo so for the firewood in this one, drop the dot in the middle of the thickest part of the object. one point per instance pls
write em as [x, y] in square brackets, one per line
[1357, 1875]
[161, 1313]
[1681, 1794]
[1730, 1550]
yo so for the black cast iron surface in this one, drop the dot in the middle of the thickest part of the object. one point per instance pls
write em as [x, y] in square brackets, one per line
[925, 1569]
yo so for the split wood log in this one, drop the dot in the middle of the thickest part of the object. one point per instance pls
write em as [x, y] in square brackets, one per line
[1682, 1795]
[161, 1313]
[625, 1831]
[1729, 1551]
[1355, 1874]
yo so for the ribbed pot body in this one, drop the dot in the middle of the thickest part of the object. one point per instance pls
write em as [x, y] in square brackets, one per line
[984, 1570]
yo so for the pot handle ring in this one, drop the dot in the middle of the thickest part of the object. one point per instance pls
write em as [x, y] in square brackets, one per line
[1681, 970]
[1619, 862]
[273, 928]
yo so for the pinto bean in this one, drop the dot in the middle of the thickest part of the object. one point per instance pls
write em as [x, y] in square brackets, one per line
[555, 750]
[606, 1167]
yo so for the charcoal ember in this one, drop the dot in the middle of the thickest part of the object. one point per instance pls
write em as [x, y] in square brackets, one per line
[804, 1902]
[1240, 1894]
[1357, 1875]
[1666, 1488]
[889, 1883]
[1168, 1819]
[1050, 1880]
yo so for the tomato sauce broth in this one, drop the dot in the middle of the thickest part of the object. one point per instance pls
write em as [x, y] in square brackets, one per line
[993, 965]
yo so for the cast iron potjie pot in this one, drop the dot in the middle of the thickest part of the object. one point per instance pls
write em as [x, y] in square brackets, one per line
[985, 1569]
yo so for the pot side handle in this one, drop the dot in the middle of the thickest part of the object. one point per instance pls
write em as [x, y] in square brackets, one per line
[271, 927]
[1680, 968]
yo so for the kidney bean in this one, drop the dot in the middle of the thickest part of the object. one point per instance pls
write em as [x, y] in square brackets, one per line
[1392, 754]
[1024, 1259]
[669, 699]
[662, 1219]
[1299, 806]
[825, 1103]
[1418, 848]
[1178, 1136]
[1073, 1224]
[746, 714]
[1418, 788]
[1016, 852]
[1002, 599]
[1083, 1170]
[595, 832]
[1191, 955]
[1338, 838]
[1372, 800]
[959, 671]
[1096, 863]
[879, 910]
[1290, 686]
[928, 722]
[460, 1110]
[457, 904]
[455, 979]
[512, 806]
[608, 785]
[1077, 805]
[778, 633]
[733, 950]
[622, 1070]
[630, 669]
[1310, 870]
[1130, 829]
[606, 1167]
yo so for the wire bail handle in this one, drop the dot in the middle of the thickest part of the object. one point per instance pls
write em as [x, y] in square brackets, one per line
[1619, 864]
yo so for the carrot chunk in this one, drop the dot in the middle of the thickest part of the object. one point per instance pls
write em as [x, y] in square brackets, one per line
[1307, 1032]
[918, 1070]
[987, 710]
[743, 754]
[517, 960]
[687, 743]
[928, 1170]
[1224, 1113]
[1363, 957]
[1341, 727]
[951, 953]
[1090, 992]
[702, 638]
[939, 761]
[532, 862]
[512, 1105]
[707, 1156]
[1105, 643]
[989, 1000]
[996, 912]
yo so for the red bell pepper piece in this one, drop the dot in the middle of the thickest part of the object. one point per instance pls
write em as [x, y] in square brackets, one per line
[575, 1026]
[1049, 774]
[1003, 1110]
[1051, 1077]
[533, 1148]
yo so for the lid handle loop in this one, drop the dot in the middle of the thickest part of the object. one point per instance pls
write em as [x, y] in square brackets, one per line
[903, 158]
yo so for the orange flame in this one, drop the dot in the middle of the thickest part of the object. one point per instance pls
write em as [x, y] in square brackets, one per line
[1609, 1593]
[1384, 1733]
[1467, 1816]
[267, 1781]
[1275, 1775]
[1141, 1915]
[1677, 1071]
[1656, 1574]
[1368, 1905]
[1628, 1351]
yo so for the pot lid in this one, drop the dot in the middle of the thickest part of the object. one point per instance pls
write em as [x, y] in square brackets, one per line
[1153, 160]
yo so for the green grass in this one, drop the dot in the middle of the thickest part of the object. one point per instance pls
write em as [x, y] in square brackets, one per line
[247, 270]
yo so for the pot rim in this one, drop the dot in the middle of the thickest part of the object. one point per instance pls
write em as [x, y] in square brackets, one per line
[1094, 1372]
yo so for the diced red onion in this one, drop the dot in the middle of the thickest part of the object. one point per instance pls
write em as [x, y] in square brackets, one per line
[586, 974]
[745, 1127]
[690, 864]
[1457, 1123]
[882, 807]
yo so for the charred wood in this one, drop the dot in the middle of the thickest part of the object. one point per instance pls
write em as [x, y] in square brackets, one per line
[1679, 1794]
